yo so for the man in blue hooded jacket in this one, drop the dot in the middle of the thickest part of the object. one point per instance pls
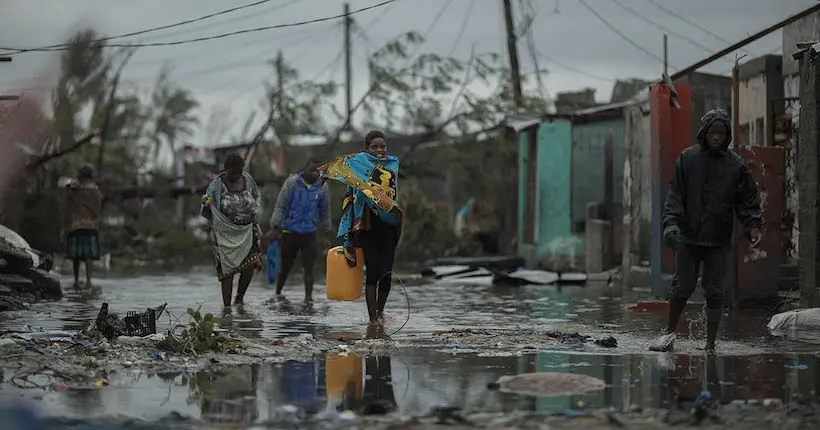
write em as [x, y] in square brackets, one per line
[710, 185]
[303, 205]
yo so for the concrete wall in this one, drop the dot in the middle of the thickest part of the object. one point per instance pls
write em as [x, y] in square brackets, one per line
[761, 94]
[708, 92]
[806, 29]
[637, 219]
[588, 181]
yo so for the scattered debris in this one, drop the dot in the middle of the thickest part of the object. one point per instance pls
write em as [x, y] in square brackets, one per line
[485, 340]
[548, 384]
[111, 326]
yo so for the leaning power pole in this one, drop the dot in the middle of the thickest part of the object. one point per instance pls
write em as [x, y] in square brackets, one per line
[348, 64]
[512, 51]
[280, 81]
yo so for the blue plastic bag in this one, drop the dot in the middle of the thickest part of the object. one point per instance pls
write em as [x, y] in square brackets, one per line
[273, 261]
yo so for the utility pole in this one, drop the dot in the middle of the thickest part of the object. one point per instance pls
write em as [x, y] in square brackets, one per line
[808, 171]
[348, 64]
[280, 81]
[512, 50]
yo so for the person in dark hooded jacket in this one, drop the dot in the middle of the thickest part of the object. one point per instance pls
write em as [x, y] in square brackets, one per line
[710, 185]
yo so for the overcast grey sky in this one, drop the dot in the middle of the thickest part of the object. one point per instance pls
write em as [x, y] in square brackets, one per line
[575, 46]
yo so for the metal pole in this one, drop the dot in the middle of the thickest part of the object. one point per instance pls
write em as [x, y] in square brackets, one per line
[762, 33]
[512, 51]
[665, 54]
[280, 81]
[348, 63]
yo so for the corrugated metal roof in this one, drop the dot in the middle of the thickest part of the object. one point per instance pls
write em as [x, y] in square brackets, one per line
[640, 98]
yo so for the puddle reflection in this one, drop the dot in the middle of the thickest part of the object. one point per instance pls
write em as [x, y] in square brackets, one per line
[421, 379]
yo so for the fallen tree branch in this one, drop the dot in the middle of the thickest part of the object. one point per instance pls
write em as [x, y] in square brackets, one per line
[39, 161]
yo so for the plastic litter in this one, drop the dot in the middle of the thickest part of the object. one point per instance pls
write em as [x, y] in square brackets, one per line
[801, 319]
[796, 366]
[702, 404]
[273, 261]
[134, 324]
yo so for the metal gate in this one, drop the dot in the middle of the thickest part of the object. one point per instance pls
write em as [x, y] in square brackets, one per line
[758, 269]
[785, 136]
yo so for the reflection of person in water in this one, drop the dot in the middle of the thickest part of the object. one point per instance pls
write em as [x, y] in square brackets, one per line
[229, 396]
[299, 384]
[691, 376]
[378, 396]
[344, 384]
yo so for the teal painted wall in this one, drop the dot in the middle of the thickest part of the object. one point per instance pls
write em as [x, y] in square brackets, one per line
[553, 216]
[588, 165]
[554, 180]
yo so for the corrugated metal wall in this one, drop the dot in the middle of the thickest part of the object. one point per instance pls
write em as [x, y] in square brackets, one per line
[588, 181]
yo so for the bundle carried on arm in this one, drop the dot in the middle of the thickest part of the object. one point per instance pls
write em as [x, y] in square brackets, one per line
[371, 190]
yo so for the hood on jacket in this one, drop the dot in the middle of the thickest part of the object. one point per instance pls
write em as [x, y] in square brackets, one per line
[706, 121]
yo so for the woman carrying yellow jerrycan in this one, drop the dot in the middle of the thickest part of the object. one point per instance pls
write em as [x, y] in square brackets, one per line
[370, 227]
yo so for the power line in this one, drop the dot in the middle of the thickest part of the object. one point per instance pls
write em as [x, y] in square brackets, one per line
[373, 87]
[220, 36]
[289, 40]
[463, 27]
[431, 27]
[230, 64]
[688, 21]
[531, 15]
[230, 20]
[662, 28]
[149, 30]
[618, 32]
[573, 69]
[375, 20]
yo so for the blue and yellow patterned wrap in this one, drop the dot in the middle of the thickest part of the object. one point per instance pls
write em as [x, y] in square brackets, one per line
[372, 183]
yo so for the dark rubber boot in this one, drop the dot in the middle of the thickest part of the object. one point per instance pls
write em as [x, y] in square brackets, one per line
[712, 325]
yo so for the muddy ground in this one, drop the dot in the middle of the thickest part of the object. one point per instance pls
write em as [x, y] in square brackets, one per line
[796, 415]
[34, 360]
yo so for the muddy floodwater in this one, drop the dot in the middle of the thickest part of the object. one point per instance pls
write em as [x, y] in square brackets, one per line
[425, 370]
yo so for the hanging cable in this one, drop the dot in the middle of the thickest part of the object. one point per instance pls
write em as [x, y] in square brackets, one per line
[255, 14]
[691, 41]
[618, 32]
[362, 31]
[152, 29]
[411, 58]
[531, 15]
[245, 62]
[215, 37]
[463, 28]
[572, 69]
[688, 21]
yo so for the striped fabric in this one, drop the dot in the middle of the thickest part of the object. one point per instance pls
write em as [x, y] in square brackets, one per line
[83, 245]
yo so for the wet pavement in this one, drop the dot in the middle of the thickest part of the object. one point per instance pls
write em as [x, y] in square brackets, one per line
[424, 372]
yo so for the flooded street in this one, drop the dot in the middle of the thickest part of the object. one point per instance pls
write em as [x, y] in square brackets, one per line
[425, 371]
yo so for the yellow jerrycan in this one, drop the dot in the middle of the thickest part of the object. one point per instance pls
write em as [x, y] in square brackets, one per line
[343, 376]
[343, 282]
